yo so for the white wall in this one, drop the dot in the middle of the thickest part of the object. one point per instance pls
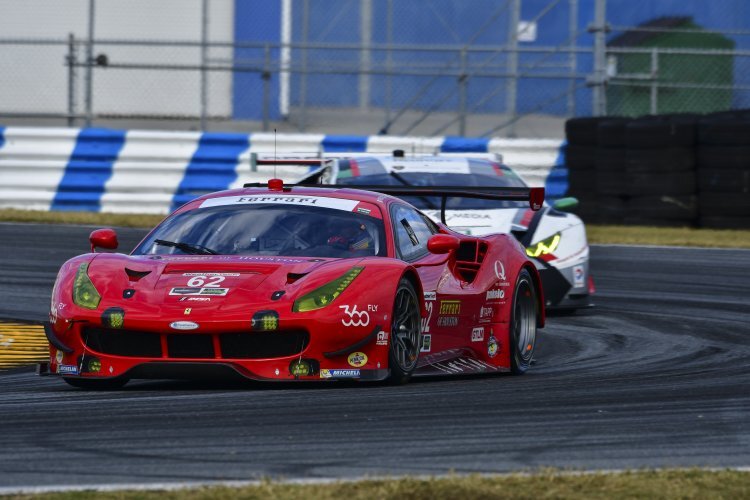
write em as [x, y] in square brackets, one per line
[34, 78]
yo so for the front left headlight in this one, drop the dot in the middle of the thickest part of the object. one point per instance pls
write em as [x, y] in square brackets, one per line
[544, 247]
[85, 293]
[324, 295]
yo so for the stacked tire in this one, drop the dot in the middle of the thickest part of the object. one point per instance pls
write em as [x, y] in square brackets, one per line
[723, 158]
[610, 164]
[660, 181]
[580, 159]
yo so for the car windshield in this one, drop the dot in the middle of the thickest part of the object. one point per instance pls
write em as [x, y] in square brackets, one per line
[509, 179]
[268, 229]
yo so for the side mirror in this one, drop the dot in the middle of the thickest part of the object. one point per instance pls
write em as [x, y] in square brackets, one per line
[565, 204]
[442, 243]
[103, 238]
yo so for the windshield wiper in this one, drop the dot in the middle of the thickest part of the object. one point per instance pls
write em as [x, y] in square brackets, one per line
[403, 181]
[191, 248]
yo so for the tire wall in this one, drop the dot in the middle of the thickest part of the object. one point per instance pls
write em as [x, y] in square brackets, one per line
[662, 170]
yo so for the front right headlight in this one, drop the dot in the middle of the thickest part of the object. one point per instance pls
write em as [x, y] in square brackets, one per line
[85, 293]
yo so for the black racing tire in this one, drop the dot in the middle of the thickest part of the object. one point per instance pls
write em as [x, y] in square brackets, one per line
[406, 333]
[724, 204]
[92, 384]
[611, 183]
[610, 159]
[661, 183]
[661, 131]
[724, 222]
[725, 180]
[583, 130]
[582, 183]
[611, 209]
[678, 208]
[725, 129]
[580, 157]
[721, 157]
[523, 323]
[611, 132]
[659, 160]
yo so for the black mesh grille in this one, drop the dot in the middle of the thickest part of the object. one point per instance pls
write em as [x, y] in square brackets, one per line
[251, 345]
[263, 345]
[190, 346]
[123, 342]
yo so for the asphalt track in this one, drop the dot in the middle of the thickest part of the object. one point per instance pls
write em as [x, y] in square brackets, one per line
[658, 375]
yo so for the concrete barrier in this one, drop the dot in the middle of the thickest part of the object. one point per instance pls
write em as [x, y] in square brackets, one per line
[138, 171]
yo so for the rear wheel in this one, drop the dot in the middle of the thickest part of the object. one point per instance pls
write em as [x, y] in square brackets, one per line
[405, 331]
[523, 324]
[97, 384]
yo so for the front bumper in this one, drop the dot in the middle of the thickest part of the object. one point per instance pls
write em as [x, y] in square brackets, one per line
[85, 350]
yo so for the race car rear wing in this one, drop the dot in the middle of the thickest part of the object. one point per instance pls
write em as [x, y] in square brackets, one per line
[534, 195]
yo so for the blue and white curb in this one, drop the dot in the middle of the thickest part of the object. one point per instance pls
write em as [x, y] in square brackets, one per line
[104, 170]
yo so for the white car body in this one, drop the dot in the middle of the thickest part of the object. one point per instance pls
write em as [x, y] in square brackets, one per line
[564, 269]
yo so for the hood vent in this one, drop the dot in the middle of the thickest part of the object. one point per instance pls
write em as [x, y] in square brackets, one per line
[292, 277]
[134, 275]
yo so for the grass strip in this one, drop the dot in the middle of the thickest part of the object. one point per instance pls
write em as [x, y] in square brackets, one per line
[668, 236]
[552, 484]
[597, 234]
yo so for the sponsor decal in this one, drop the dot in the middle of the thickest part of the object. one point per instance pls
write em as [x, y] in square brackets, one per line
[430, 295]
[365, 211]
[450, 307]
[187, 290]
[357, 359]
[382, 338]
[95, 366]
[195, 299]
[426, 320]
[477, 334]
[329, 373]
[204, 275]
[183, 325]
[495, 295]
[59, 356]
[310, 201]
[356, 318]
[67, 369]
[264, 321]
[578, 276]
[114, 317]
[485, 312]
[447, 321]
[492, 346]
[500, 270]
[466, 215]
[426, 343]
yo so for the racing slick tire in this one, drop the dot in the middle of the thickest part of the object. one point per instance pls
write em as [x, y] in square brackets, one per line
[97, 384]
[406, 325]
[523, 323]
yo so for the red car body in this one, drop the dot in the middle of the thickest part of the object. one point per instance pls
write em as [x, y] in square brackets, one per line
[175, 315]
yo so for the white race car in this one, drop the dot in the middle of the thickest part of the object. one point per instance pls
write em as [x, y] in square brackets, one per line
[554, 239]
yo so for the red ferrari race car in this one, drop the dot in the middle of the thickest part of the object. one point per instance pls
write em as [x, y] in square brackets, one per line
[296, 283]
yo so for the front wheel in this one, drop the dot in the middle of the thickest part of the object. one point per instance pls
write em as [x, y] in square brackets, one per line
[94, 384]
[405, 332]
[523, 324]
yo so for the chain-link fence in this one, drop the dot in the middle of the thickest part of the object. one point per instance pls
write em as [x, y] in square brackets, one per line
[420, 67]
